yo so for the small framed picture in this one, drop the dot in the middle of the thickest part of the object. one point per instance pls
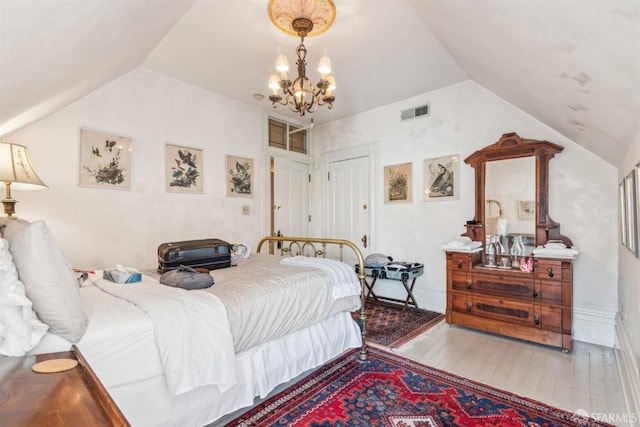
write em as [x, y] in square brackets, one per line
[622, 199]
[183, 169]
[397, 183]
[526, 210]
[631, 209]
[105, 160]
[637, 224]
[239, 177]
[441, 178]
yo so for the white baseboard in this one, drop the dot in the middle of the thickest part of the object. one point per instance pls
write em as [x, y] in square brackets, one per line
[595, 326]
[629, 373]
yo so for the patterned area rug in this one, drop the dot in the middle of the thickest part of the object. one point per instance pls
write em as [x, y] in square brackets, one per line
[389, 326]
[389, 390]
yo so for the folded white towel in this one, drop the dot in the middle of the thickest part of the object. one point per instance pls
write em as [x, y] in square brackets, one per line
[556, 252]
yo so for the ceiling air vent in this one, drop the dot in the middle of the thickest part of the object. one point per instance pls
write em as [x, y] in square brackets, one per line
[412, 113]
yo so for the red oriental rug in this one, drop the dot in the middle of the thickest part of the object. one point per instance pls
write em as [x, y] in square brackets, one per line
[390, 326]
[392, 391]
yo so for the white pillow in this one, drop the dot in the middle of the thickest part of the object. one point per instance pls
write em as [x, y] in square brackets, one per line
[48, 278]
[20, 329]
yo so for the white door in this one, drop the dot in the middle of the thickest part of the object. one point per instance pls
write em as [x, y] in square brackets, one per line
[348, 204]
[291, 197]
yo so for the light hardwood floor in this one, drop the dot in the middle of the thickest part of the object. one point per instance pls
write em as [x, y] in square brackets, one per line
[585, 378]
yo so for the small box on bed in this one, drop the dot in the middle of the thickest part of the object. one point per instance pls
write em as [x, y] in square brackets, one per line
[118, 276]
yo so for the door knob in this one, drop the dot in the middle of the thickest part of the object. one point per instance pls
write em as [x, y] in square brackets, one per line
[364, 240]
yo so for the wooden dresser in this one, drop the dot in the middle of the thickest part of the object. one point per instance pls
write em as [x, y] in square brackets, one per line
[532, 306]
[70, 398]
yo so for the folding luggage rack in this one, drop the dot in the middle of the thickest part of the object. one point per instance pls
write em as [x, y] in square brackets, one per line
[401, 271]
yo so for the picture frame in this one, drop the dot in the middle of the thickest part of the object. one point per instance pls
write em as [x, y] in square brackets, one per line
[105, 160]
[442, 178]
[183, 169]
[239, 176]
[398, 183]
[622, 207]
[527, 210]
[637, 198]
[631, 212]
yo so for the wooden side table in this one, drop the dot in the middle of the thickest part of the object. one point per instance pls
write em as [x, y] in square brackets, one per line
[71, 398]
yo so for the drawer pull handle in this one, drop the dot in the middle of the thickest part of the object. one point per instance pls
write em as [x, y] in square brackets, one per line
[469, 307]
[469, 283]
[550, 271]
[459, 264]
[536, 293]
[536, 320]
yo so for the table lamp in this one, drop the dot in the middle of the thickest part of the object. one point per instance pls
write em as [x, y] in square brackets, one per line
[16, 172]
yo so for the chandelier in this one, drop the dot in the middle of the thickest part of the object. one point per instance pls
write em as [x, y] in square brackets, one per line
[302, 18]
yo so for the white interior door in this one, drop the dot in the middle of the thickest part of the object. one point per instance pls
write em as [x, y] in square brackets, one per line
[291, 197]
[348, 204]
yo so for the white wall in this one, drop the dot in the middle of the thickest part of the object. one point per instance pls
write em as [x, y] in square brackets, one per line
[98, 228]
[465, 118]
[629, 302]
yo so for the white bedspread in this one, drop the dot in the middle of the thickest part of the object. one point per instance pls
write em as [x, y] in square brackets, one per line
[345, 283]
[266, 300]
[191, 332]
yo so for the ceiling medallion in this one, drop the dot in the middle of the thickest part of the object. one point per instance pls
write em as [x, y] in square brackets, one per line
[321, 13]
[302, 18]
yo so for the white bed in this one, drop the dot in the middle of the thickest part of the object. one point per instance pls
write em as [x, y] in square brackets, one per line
[128, 352]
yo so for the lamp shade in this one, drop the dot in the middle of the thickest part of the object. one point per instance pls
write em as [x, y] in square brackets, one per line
[15, 168]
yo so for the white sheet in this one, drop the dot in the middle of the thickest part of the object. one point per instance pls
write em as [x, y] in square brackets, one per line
[117, 330]
[120, 348]
[191, 330]
[119, 345]
[148, 404]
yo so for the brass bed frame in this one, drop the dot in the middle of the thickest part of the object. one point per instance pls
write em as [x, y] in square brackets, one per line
[293, 246]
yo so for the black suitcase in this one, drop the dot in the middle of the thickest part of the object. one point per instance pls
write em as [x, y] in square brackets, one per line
[206, 253]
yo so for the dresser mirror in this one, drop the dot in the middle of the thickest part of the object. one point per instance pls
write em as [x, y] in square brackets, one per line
[512, 192]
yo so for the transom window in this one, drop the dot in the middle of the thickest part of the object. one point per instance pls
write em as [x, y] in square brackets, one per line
[282, 135]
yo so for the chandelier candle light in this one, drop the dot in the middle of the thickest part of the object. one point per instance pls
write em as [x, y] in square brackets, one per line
[302, 18]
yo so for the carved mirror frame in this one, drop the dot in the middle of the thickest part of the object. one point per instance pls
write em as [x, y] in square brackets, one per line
[511, 146]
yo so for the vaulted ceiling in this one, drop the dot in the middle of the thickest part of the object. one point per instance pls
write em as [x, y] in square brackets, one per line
[573, 65]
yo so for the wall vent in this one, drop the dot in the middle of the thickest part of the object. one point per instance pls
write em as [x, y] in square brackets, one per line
[412, 113]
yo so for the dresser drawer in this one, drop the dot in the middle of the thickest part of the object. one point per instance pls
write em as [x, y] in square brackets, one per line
[508, 286]
[494, 308]
[503, 309]
[460, 281]
[548, 291]
[549, 318]
[458, 261]
[461, 302]
[552, 269]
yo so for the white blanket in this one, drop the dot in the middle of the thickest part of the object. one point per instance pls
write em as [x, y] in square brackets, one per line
[344, 279]
[191, 332]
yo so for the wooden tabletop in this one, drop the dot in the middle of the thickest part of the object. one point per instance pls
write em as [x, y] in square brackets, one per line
[70, 398]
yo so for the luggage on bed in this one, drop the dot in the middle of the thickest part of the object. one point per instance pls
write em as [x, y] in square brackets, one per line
[206, 253]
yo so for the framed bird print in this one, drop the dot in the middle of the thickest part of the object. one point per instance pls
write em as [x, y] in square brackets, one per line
[397, 183]
[441, 178]
[105, 160]
[183, 169]
[239, 177]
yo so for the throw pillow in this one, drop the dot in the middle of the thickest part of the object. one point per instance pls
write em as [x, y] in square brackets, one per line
[20, 329]
[48, 278]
